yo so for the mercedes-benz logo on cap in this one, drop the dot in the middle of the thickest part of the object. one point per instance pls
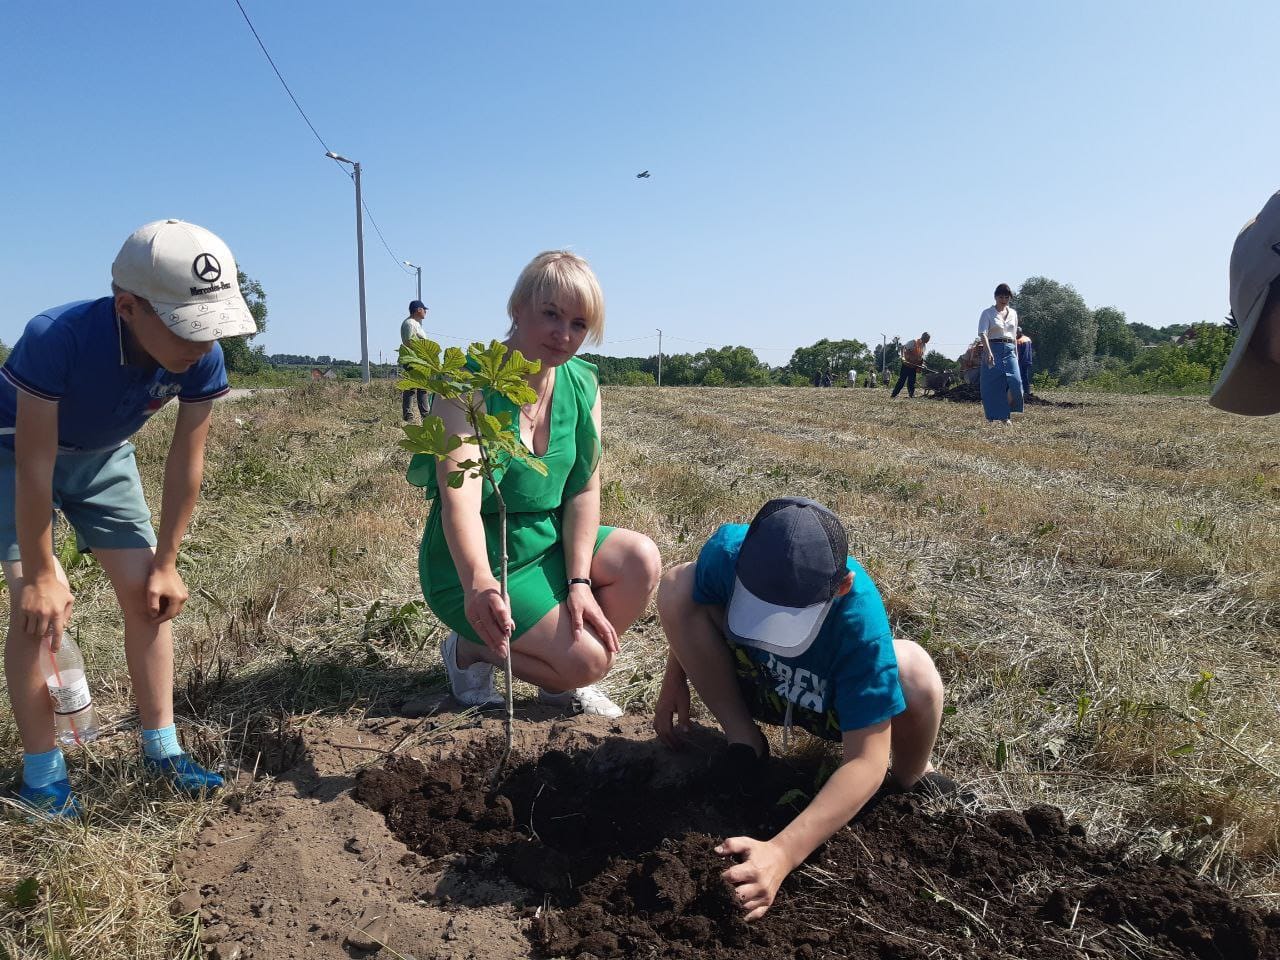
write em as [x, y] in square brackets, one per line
[207, 268]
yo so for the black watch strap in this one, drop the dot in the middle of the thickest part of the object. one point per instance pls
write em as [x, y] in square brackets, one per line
[586, 580]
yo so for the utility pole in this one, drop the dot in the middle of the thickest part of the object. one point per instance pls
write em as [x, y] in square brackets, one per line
[419, 269]
[659, 356]
[364, 328]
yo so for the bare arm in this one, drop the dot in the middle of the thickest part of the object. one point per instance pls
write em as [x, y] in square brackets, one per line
[488, 613]
[983, 331]
[183, 472]
[166, 593]
[581, 525]
[582, 518]
[766, 864]
[866, 759]
[45, 601]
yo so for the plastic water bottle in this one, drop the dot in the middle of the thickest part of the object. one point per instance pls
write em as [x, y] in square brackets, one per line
[74, 721]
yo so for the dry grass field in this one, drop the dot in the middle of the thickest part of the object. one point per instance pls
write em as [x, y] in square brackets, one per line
[1099, 587]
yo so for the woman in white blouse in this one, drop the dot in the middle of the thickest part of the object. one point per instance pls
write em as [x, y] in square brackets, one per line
[1001, 382]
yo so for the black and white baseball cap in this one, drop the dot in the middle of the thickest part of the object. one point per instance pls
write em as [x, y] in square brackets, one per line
[791, 563]
[189, 276]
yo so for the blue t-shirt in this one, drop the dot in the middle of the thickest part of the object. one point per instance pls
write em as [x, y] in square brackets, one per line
[850, 667]
[74, 354]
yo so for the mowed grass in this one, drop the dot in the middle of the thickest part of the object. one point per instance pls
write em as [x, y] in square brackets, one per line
[1098, 586]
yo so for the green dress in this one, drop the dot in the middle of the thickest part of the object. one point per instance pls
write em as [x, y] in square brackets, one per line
[535, 567]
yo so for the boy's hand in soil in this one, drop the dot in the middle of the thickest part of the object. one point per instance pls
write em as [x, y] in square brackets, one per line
[757, 876]
[673, 701]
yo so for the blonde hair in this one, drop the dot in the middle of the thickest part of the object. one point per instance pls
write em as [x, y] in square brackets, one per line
[559, 276]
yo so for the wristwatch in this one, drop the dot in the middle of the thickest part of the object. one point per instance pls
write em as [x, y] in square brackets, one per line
[586, 580]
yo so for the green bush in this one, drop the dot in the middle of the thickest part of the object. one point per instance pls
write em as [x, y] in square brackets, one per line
[637, 378]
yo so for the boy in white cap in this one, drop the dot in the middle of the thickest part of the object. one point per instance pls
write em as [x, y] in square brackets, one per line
[776, 623]
[81, 380]
[1250, 382]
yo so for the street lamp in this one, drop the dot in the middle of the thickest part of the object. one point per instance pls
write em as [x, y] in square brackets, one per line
[364, 328]
[419, 269]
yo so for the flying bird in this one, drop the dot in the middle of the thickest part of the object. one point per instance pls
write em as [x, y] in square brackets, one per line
[642, 175]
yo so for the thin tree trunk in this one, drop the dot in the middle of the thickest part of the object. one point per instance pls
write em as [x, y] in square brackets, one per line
[502, 584]
[487, 467]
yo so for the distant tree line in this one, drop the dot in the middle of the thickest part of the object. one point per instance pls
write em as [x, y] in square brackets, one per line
[1074, 345]
[1098, 349]
[306, 360]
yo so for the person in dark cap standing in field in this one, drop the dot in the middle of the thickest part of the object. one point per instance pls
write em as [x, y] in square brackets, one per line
[411, 329]
[81, 380]
[1250, 381]
[776, 623]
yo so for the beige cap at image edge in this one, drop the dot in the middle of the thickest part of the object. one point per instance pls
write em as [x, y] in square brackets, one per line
[189, 276]
[1249, 384]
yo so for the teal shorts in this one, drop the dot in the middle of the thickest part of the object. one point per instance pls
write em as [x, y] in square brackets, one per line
[100, 494]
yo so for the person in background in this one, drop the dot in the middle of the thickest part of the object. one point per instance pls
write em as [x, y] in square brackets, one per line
[81, 380]
[411, 329]
[1001, 384]
[1026, 355]
[574, 586]
[912, 361]
[802, 641]
[1250, 381]
[971, 363]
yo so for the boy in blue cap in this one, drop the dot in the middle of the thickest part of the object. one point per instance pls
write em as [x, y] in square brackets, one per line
[776, 623]
[81, 380]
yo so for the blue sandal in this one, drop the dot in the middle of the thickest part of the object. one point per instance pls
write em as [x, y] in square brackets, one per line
[184, 773]
[55, 800]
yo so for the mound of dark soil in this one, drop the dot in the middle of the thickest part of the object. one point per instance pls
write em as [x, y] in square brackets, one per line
[967, 393]
[619, 860]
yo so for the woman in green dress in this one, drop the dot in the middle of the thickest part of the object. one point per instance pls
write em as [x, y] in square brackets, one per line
[573, 585]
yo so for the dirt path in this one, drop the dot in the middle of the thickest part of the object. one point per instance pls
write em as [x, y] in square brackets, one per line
[244, 393]
[597, 845]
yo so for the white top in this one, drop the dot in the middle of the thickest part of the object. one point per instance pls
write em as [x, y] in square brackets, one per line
[411, 329]
[998, 325]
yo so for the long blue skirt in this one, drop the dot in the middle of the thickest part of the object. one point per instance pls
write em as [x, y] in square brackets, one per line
[1001, 383]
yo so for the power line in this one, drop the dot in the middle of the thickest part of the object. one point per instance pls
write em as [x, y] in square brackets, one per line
[398, 260]
[308, 122]
[282, 80]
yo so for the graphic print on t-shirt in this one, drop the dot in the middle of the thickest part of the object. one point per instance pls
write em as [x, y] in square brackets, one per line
[802, 687]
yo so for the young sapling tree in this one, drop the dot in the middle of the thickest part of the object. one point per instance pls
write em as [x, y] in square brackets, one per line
[468, 379]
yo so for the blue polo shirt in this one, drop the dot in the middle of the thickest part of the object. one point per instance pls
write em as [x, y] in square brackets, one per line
[850, 666]
[74, 354]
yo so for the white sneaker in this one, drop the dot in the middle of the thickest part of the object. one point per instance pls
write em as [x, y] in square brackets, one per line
[472, 687]
[588, 700]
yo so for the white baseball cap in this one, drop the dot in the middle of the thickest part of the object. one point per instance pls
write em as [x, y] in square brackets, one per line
[1249, 383]
[189, 276]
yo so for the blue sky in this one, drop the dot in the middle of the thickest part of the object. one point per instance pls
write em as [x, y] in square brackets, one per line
[821, 169]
